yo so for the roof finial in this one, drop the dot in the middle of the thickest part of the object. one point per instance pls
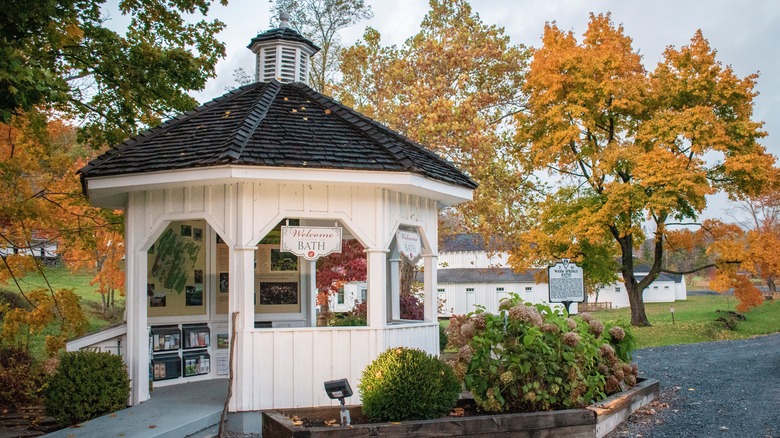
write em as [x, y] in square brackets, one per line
[284, 19]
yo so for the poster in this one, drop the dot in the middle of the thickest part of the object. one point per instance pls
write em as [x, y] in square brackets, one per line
[278, 293]
[223, 258]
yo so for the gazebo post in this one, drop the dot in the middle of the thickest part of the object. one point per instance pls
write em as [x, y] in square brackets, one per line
[312, 265]
[394, 311]
[376, 278]
[241, 300]
[135, 283]
[430, 287]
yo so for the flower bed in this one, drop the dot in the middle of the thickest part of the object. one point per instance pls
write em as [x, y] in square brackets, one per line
[593, 421]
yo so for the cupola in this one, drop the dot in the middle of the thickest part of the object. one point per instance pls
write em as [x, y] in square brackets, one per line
[282, 54]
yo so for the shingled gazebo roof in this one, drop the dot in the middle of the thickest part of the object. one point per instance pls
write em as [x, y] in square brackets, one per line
[278, 125]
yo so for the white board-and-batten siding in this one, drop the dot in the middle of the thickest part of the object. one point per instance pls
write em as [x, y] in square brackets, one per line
[458, 302]
[242, 213]
[302, 359]
[220, 205]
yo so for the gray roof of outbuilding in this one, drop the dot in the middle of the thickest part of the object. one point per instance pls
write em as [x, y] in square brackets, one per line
[278, 125]
[468, 242]
[462, 243]
[484, 275]
[664, 276]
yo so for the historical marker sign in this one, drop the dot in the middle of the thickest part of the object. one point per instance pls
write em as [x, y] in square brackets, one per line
[566, 284]
[311, 242]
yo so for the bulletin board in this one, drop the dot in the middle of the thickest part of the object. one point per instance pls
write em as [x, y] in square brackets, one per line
[176, 271]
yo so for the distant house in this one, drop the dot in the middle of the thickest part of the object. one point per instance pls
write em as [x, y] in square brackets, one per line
[471, 276]
[667, 288]
[348, 296]
[39, 247]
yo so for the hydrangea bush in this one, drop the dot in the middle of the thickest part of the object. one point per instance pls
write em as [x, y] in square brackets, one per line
[531, 358]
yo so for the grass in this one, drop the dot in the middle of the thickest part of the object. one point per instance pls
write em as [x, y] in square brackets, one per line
[63, 278]
[695, 321]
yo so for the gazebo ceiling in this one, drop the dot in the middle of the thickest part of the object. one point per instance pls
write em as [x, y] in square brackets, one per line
[270, 124]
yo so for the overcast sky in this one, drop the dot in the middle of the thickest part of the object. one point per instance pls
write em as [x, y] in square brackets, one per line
[745, 33]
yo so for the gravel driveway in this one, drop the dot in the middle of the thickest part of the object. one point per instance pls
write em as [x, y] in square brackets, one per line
[713, 389]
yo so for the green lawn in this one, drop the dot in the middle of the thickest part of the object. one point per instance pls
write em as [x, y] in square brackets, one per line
[60, 278]
[695, 321]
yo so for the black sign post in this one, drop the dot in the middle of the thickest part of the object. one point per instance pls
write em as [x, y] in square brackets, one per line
[566, 285]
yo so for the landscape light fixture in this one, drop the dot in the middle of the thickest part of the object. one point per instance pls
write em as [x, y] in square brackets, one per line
[340, 389]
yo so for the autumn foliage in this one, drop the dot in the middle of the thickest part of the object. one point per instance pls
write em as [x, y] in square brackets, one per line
[625, 146]
[42, 202]
[621, 145]
[452, 87]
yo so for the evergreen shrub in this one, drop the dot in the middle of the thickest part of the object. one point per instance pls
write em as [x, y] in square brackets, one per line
[87, 385]
[408, 384]
[531, 358]
[443, 338]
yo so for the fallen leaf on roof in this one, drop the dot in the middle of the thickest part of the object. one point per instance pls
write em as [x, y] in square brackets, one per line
[152, 426]
[327, 111]
[331, 422]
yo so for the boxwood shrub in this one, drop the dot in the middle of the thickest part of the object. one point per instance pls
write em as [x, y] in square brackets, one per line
[408, 384]
[87, 385]
[532, 358]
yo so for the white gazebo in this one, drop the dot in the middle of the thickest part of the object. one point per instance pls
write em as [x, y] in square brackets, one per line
[204, 195]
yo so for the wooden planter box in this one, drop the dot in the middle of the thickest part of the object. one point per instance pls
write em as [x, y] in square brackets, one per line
[594, 421]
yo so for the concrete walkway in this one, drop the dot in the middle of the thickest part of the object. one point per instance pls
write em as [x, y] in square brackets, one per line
[172, 412]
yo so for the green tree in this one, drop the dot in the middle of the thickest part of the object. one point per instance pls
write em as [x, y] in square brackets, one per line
[320, 21]
[60, 54]
[627, 146]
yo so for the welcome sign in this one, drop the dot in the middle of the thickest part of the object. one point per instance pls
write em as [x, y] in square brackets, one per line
[409, 244]
[311, 243]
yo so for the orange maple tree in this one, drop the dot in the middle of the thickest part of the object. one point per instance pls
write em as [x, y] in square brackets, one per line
[625, 145]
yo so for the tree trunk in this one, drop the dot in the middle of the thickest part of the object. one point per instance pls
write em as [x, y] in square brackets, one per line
[770, 283]
[104, 303]
[634, 289]
[635, 300]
